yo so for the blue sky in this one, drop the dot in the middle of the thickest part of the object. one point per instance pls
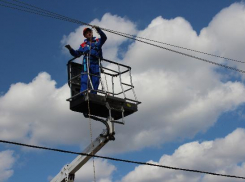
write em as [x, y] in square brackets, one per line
[189, 108]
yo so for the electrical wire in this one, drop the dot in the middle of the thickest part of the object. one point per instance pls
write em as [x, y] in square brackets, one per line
[180, 47]
[188, 55]
[61, 17]
[122, 160]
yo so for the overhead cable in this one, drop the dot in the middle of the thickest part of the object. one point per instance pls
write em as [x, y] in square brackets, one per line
[50, 14]
[121, 160]
[188, 55]
[130, 35]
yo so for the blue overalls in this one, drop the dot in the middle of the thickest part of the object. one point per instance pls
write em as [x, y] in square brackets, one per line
[92, 51]
[93, 70]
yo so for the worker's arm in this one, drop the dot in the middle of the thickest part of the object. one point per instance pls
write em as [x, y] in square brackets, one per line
[74, 53]
[103, 36]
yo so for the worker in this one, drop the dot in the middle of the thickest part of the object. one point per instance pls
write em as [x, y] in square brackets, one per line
[91, 48]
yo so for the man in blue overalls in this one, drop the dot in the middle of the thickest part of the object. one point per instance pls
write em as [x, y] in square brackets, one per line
[91, 48]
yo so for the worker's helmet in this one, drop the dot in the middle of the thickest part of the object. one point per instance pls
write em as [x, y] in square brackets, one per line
[85, 30]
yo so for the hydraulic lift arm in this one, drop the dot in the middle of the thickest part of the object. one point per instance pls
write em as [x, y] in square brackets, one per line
[67, 173]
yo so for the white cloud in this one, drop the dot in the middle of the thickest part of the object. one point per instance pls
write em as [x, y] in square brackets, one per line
[38, 112]
[218, 156]
[176, 111]
[225, 33]
[6, 163]
[181, 96]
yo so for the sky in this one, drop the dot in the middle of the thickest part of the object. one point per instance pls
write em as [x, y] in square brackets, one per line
[192, 113]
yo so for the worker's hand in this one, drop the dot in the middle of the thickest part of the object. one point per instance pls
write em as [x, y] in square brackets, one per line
[96, 27]
[68, 47]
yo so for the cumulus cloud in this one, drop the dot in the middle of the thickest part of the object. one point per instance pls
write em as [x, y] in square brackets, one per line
[6, 164]
[225, 33]
[37, 112]
[219, 156]
[180, 96]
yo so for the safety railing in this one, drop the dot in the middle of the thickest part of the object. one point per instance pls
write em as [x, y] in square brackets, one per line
[113, 70]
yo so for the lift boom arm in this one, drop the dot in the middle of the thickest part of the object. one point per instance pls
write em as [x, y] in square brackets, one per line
[67, 173]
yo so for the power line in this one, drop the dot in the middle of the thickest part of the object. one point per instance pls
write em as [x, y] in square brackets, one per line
[130, 35]
[180, 47]
[64, 18]
[33, 11]
[121, 160]
[188, 55]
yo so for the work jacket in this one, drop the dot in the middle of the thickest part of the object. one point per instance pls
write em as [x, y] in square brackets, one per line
[94, 48]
